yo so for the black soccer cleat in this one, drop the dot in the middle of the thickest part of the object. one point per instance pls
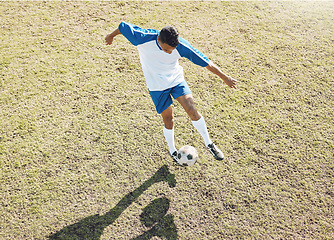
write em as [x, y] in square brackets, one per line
[175, 158]
[215, 151]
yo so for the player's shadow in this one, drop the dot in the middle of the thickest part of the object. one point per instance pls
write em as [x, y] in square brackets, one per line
[92, 227]
[154, 217]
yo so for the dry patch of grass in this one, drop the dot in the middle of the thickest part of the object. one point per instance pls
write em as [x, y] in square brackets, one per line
[81, 144]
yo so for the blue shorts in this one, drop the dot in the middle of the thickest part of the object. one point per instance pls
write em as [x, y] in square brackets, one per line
[162, 99]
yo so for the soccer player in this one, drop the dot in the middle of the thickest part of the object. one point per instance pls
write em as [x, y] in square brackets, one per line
[159, 52]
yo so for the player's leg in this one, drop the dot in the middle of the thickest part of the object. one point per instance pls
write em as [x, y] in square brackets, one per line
[162, 101]
[187, 102]
[168, 130]
[168, 118]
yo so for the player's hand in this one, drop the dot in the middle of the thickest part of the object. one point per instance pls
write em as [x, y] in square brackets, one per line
[231, 82]
[109, 39]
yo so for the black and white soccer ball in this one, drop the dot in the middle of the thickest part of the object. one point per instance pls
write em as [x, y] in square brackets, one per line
[187, 156]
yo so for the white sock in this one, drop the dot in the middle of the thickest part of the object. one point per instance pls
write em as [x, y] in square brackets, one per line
[169, 135]
[200, 125]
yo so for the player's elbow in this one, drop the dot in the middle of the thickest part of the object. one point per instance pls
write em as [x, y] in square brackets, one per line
[212, 67]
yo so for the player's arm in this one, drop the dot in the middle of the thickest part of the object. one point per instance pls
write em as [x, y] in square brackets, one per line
[227, 79]
[134, 34]
[110, 37]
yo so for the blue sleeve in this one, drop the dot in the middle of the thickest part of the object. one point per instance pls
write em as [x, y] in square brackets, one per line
[137, 35]
[186, 50]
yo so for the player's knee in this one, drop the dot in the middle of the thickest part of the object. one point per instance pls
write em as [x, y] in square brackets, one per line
[193, 113]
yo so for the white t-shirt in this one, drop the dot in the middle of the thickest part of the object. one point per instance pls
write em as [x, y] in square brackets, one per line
[161, 70]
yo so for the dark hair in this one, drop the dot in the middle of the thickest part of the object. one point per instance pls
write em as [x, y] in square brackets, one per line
[170, 36]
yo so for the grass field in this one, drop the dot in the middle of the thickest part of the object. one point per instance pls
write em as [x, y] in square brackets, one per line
[81, 146]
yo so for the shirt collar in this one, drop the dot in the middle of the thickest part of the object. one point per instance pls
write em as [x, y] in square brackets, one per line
[158, 44]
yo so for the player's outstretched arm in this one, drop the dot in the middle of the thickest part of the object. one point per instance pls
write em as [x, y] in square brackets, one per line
[110, 37]
[227, 79]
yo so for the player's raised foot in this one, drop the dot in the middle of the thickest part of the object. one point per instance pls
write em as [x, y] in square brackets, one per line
[216, 151]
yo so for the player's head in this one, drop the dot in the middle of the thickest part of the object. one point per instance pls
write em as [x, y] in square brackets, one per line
[169, 35]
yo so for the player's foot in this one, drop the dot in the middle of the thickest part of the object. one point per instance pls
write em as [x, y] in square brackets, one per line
[215, 151]
[174, 157]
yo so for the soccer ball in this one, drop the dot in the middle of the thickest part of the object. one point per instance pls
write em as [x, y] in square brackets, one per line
[187, 156]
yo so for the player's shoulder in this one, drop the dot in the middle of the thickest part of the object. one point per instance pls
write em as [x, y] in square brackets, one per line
[184, 43]
[186, 50]
[184, 47]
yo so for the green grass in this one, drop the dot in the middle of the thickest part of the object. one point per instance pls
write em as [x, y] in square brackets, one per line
[81, 146]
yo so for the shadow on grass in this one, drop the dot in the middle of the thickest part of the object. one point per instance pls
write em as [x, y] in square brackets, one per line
[162, 225]
[154, 216]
